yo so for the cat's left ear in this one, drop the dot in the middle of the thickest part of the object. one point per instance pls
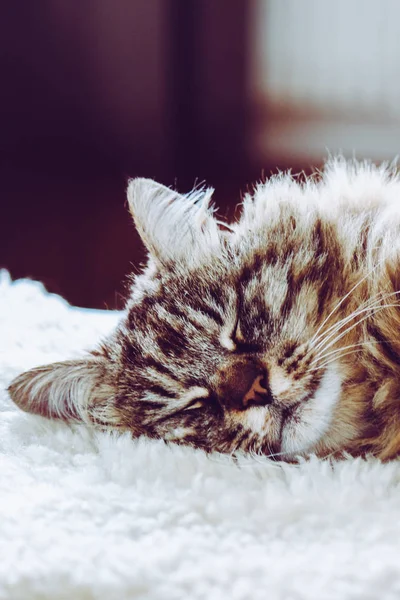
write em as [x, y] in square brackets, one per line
[174, 227]
[73, 390]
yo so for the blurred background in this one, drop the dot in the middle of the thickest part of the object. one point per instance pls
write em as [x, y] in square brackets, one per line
[97, 91]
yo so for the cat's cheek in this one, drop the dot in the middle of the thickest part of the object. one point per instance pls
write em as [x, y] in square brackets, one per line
[313, 419]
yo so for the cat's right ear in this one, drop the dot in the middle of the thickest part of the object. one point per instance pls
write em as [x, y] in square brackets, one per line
[174, 227]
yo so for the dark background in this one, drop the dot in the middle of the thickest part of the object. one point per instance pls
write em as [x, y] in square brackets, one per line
[96, 91]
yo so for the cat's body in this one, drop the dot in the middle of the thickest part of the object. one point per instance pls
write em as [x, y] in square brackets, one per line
[280, 336]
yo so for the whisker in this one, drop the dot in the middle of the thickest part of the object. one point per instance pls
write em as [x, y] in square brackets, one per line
[331, 360]
[368, 303]
[346, 331]
[323, 356]
[275, 454]
[379, 297]
[377, 305]
[366, 343]
[346, 296]
[335, 328]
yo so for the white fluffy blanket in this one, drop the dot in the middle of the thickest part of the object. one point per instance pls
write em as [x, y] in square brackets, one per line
[85, 515]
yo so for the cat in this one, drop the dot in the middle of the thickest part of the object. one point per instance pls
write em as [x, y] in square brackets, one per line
[277, 335]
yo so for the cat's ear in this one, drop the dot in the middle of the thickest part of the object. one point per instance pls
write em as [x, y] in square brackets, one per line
[173, 227]
[75, 390]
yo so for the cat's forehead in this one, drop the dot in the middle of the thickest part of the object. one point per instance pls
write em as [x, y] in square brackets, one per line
[274, 255]
[279, 266]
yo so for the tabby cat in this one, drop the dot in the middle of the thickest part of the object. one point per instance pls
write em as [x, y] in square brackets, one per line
[278, 334]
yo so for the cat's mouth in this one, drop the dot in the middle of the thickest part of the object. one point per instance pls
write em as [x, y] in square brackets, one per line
[306, 422]
[291, 415]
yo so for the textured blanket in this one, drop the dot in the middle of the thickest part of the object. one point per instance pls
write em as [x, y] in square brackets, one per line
[90, 515]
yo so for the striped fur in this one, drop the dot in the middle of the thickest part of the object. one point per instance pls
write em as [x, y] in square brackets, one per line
[300, 294]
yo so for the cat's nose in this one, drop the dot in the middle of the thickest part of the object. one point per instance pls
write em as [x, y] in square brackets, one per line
[244, 384]
[259, 393]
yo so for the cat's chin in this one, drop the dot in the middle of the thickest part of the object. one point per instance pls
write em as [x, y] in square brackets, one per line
[305, 427]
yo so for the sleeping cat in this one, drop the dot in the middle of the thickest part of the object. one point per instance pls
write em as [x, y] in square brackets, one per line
[278, 334]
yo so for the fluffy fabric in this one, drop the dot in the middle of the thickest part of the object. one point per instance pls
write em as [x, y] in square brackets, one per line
[89, 515]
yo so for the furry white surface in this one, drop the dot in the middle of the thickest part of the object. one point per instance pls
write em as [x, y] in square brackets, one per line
[86, 515]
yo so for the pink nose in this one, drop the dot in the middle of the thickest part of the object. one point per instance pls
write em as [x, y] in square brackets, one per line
[259, 393]
[242, 384]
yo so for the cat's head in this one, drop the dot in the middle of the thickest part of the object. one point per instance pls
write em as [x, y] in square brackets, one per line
[225, 341]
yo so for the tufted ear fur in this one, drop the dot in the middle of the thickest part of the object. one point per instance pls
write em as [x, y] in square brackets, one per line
[75, 390]
[173, 227]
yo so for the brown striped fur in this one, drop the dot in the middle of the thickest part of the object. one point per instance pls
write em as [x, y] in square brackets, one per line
[278, 334]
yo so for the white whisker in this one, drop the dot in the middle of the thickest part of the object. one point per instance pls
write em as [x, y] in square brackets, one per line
[346, 331]
[331, 360]
[345, 320]
[366, 343]
[369, 304]
[345, 297]
[334, 329]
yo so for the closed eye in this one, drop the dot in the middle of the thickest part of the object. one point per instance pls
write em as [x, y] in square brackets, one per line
[195, 404]
[194, 398]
